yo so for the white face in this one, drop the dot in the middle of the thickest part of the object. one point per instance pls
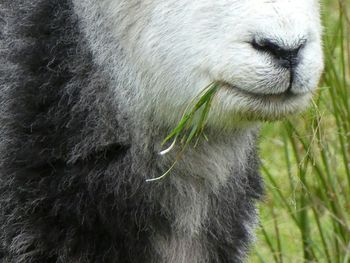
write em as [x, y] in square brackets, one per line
[267, 53]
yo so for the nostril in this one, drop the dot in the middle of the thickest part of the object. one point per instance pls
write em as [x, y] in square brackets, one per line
[267, 46]
[286, 57]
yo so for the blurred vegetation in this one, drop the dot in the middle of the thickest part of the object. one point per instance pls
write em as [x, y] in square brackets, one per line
[306, 164]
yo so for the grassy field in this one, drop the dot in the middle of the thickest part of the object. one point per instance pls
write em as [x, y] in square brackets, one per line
[305, 216]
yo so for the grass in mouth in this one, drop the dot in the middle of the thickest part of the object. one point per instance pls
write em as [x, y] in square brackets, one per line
[191, 125]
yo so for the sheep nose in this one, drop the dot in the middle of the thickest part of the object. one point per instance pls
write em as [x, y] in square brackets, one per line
[286, 57]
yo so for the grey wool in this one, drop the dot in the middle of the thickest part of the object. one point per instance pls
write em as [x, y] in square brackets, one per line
[82, 116]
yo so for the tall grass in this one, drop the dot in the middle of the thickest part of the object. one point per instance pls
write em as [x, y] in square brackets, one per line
[306, 216]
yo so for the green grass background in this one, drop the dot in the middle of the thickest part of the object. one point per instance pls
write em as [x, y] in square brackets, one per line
[305, 216]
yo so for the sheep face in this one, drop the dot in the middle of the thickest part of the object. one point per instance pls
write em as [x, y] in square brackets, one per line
[266, 54]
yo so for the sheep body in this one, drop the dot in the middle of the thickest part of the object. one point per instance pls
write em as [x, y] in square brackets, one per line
[80, 134]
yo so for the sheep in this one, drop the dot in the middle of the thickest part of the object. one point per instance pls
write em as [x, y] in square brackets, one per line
[88, 91]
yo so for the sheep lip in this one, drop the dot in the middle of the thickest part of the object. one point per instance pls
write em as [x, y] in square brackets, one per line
[280, 96]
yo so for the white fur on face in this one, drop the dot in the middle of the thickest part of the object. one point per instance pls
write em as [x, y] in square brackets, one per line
[177, 47]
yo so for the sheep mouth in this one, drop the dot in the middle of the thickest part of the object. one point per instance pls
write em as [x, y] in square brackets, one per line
[281, 96]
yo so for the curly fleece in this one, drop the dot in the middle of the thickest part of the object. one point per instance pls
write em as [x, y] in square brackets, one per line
[72, 178]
